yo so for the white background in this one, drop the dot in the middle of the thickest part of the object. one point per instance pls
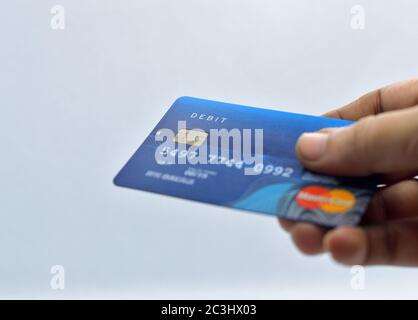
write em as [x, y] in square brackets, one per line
[76, 103]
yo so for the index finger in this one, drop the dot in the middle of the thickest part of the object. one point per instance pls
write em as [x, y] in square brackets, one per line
[396, 96]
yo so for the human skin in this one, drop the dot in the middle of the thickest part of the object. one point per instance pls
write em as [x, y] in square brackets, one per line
[384, 141]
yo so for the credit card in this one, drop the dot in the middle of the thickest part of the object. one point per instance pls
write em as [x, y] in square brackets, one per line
[244, 158]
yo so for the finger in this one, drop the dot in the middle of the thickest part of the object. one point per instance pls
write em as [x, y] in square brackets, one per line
[393, 178]
[286, 224]
[308, 237]
[393, 203]
[399, 201]
[397, 96]
[394, 243]
[387, 143]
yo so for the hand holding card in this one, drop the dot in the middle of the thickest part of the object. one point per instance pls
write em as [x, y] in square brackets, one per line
[244, 158]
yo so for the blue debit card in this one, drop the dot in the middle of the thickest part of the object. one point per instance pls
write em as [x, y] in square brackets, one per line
[243, 157]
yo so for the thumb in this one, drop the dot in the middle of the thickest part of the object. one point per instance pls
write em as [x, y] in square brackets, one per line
[386, 143]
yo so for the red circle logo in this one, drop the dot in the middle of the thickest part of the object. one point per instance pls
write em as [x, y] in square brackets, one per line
[312, 197]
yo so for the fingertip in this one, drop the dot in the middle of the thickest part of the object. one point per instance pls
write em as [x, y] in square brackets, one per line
[311, 146]
[347, 245]
[308, 238]
[286, 224]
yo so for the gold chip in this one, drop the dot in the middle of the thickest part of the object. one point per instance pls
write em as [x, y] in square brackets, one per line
[191, 137]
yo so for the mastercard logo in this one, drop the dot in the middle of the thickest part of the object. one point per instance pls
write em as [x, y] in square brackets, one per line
[332, 201]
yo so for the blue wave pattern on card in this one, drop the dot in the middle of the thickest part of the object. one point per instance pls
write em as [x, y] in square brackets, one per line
[283, 188]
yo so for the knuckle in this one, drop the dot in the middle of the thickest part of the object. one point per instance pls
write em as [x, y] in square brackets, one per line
[377, 103]
[391, 244]
[363, 136]
[414, 87]
[383, 245]
[411, 146]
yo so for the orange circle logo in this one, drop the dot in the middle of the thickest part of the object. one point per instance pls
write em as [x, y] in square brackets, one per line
[332, 201]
